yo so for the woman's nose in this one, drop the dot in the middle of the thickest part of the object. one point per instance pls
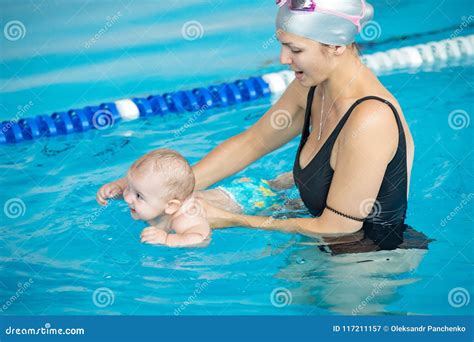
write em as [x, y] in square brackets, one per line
[285, 57]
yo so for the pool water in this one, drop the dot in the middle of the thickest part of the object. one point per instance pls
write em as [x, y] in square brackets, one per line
[67, 255]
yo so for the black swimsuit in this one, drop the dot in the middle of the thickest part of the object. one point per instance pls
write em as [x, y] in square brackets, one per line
[385, 224]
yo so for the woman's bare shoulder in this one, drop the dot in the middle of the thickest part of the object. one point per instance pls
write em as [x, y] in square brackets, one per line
[297, 94]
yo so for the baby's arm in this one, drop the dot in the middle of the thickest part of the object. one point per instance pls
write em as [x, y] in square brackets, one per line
[156, 233]
[183, 237]
[189, 230]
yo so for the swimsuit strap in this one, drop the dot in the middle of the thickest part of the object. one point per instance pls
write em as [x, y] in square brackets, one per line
[307, 117]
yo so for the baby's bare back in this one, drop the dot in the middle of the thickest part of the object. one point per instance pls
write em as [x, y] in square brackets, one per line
[219, 199]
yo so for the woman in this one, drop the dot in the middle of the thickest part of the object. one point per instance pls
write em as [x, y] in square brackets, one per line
[355, 157]
[353, 165]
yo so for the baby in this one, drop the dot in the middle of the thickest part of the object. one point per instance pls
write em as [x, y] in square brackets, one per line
[159, 189]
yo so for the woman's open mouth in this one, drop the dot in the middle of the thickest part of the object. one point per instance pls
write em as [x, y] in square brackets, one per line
[299, 75]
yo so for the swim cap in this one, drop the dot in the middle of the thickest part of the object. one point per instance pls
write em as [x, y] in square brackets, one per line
[324, 27]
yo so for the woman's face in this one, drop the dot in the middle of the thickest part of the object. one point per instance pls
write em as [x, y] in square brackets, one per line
[307, 58]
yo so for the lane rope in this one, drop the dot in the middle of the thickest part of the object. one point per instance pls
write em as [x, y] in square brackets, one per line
[221, 95]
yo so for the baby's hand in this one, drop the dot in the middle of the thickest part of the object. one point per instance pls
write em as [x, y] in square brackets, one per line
[109, 190]
[153, 235]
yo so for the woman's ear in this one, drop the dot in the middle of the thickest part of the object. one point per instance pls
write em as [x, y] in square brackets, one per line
[172, 206]
[334, 50]
[339, 49]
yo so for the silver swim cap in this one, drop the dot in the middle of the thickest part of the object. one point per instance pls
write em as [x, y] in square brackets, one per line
[332, 22]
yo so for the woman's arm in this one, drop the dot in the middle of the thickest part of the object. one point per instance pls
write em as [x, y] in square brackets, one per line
[360, 166]
[280, 124]
[327, 224]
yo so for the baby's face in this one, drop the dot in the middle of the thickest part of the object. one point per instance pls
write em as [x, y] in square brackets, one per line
[143, 196]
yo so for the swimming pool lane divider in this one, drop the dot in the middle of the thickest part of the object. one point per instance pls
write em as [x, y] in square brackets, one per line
[215, 96]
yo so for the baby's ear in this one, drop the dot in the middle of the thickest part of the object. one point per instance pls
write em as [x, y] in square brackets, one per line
[172, 207]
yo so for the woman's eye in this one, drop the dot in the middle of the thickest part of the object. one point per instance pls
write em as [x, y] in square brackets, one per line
[296, 51]
[139, 196]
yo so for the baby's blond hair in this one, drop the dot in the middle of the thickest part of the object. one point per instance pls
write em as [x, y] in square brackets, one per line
[174, 171]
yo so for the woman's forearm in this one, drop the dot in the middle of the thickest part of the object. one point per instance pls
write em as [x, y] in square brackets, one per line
[306, 226]
[261, 138]
[225, 160]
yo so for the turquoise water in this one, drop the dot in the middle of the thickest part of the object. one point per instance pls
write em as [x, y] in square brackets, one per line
[69, 256]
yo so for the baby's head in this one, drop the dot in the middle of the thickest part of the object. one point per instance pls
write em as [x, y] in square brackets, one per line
[158, 183]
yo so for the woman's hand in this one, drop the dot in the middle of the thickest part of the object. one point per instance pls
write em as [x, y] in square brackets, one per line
[283, 181]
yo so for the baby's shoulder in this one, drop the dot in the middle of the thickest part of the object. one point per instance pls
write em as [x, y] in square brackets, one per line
[183, 224]
[192, 208]
[190, 215]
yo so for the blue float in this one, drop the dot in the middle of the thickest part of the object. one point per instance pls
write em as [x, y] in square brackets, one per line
[106, 114]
